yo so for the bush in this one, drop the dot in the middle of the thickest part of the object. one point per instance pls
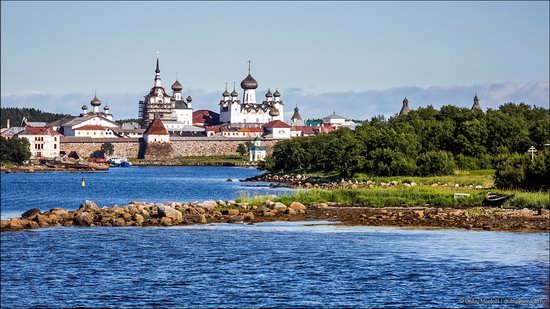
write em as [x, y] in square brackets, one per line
[16, 150]
[520, 172]
[435, 163]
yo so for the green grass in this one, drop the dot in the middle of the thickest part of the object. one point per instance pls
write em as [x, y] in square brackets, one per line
[6, 164]
[401, 196]
[462, 178]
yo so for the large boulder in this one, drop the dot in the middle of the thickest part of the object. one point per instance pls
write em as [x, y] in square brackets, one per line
[89, 206]
[279, 207]
[169, 212]
[299, 207]
[208, 205]
[233, 212]
[84, 219]
[31, 213]
[59, 214]
[138, 219]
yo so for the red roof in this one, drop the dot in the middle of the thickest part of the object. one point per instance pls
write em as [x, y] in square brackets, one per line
[92, 127]
[39, 131]
[204, 116]
[156, 127]
[306, 130]
[276, 124]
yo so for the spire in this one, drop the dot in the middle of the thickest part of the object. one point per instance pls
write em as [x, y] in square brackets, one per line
[476, 105]
[249, 66]
[405, 109]
[157, 73]
[234, 93]
[225, 93]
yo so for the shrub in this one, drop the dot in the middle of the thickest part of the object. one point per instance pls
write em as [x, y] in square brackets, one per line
[435, 163]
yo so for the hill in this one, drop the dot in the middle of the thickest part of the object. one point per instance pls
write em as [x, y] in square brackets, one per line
[16, 114]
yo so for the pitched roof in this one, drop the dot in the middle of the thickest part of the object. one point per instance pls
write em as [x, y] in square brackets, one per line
[305, 129]
[39, 131]
[276, 124]
[156, 128]
[334, 116]
[91, 127]
[206, 116]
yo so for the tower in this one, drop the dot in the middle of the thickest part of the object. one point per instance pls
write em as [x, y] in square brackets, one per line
[296, 119]
[405, 109]
[249, 85]
[95, 103]
[476, 105]
[157, 101]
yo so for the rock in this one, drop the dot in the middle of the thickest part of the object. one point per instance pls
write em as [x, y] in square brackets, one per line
[291, 211]
[298, 207]
[14, 225]
[236, 219]
[407, 185]
[544, 212]
[393, 183]
[169, 212]
[262, 208]
[435, 185]
[478, 187]
[279, 207]
[419, 214]
[229, 180]
[249, 216]
[322, 205]
[84, 218]
[31, 225]
[209, 205]
[31, 213]
[413, 184]
[138, 219]
[166, 221]
[202, 219]
[89, 206]
[233, 212]
[60, 213]
[457, 185]
[118, 222]
[354, 186]
[268, 214]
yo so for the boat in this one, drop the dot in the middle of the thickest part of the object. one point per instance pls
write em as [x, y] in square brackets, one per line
[119, 162]
[495, 199]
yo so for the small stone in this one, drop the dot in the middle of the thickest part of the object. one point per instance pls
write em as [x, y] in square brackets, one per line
[291, 211]
[233, 212]
[84, 219]
[279, 207]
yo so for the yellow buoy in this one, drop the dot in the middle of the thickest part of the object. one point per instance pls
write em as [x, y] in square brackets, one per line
[83, 183]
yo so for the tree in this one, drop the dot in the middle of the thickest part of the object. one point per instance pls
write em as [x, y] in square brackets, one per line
[17, 150]
[435, 163]
[107, 148]
[241, 149]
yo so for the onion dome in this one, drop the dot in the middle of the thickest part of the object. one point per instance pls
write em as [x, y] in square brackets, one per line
[249, 83]
[234, 93]
[189, 99]
[106, 107]
[268, 94]
[274, 112]
[405, 101]
[176, 86]
[172, 98]
[277, 93]
[95, 101]
[84, 107]
[225, 93]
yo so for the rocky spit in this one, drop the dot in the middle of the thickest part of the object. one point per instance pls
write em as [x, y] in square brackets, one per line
[304, 182]
[141, 214]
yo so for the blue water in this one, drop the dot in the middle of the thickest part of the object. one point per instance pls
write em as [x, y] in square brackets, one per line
[21, 191]
[280, 264]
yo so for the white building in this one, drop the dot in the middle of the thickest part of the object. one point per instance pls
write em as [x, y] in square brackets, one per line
[257, 152]
[44, 142]
[296, 120]
[167, 107]
[156, 132]
[277, 129]
[334, 120]
[233, 110]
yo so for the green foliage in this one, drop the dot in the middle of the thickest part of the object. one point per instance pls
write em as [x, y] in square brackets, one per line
[16, 114]
[16, 150]
[435, 163]
[242, 149]
[423, 142]
[107, 148]
[518, 171]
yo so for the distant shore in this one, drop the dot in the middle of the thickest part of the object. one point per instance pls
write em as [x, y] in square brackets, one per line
[174, 213]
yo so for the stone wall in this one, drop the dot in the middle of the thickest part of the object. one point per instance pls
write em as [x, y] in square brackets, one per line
[181, 146]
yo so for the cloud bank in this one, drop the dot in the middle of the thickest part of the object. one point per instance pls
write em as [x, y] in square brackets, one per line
[352, 104]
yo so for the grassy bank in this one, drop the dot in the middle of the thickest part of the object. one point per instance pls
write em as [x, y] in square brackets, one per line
[463, 178]
[403, 196]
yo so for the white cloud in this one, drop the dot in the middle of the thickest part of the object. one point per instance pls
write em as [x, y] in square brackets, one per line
[352, 104]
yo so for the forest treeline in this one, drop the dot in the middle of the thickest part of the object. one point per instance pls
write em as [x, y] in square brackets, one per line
[16, 114]
[424, 142]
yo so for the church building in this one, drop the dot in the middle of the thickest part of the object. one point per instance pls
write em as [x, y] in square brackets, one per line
[249, 110]
[172, 109]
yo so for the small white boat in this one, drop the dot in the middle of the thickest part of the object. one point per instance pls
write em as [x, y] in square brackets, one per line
[119, 162]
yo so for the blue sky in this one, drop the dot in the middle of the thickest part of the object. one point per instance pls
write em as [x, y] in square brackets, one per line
[359, 58]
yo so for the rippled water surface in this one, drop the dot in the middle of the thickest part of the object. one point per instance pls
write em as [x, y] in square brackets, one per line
[269, 264]
[21, 191]
[279, 264]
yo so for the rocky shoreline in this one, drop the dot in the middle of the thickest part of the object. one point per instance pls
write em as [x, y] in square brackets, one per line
[304, 182]
[171, 214]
